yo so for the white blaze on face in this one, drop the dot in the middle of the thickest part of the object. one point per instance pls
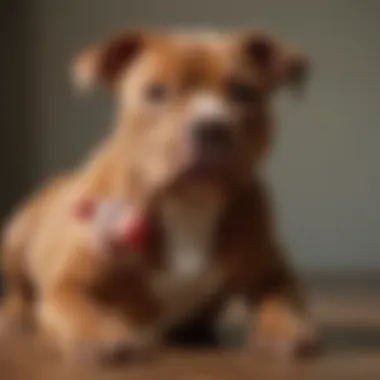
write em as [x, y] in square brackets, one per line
[206, 106]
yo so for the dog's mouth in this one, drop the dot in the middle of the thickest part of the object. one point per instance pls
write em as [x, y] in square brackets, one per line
[214, 168]
[213, 165]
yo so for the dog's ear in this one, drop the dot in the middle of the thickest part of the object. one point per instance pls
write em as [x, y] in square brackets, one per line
[104, 63]
[279, 63]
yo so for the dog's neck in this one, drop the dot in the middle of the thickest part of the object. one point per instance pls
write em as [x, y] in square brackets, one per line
[190, 226]
[112, 173]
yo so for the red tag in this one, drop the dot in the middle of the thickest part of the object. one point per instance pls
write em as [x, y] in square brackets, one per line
[135, 232]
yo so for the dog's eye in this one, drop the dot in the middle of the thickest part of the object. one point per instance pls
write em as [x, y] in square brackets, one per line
[157, 92]
[242, 93]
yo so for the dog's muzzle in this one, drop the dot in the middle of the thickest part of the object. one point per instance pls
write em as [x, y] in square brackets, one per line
[212, 146]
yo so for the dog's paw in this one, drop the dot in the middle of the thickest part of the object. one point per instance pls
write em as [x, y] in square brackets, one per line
[285, 334]
[280, 345]
[99, 353]
[107, 352]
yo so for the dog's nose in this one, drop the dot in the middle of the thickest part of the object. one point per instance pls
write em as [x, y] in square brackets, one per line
[212, 134]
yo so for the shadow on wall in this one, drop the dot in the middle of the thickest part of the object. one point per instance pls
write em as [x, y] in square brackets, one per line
[16, 132]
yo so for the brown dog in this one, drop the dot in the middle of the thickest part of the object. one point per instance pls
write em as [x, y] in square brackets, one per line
[194, 117]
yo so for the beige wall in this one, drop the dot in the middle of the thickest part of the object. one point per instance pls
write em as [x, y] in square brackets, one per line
[325, 170]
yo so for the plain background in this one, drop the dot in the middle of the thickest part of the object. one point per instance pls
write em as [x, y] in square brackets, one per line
[325, 168]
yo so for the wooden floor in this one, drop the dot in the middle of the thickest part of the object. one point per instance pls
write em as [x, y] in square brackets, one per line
[350, 320]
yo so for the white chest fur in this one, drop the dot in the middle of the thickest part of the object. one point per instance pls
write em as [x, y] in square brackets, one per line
[191, 276]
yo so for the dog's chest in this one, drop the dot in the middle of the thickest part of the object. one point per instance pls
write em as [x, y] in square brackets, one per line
[191, 275]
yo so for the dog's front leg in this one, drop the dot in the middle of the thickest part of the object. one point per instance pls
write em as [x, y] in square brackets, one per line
[280, 322]
[89, 330]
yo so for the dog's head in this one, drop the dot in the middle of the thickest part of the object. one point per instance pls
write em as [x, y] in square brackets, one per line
[195, 106]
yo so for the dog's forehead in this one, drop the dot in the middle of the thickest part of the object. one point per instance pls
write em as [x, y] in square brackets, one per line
[197, 57]
[211, 39]
[211, 50]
